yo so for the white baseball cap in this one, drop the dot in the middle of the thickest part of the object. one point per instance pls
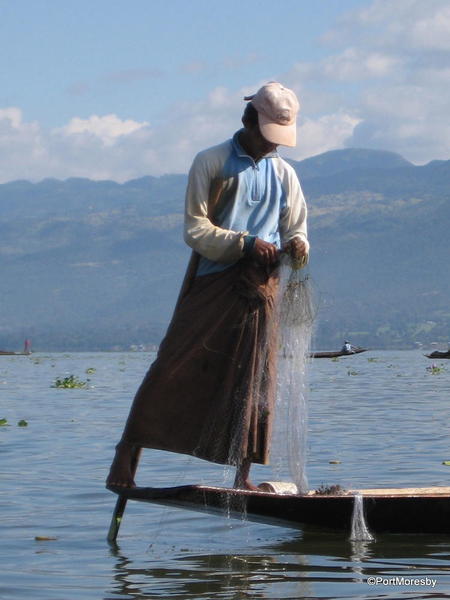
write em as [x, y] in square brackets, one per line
[277, 108]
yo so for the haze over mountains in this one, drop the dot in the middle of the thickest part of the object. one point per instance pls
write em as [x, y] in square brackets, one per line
[90, 265]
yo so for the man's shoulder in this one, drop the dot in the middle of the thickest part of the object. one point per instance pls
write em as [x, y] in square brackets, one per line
[215, 153]
[283, 165]
[285, 170]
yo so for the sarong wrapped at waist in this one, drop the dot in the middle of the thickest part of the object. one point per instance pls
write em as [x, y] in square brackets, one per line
[211, 391]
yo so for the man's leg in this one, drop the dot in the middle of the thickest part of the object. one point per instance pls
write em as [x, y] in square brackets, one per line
[242, 480]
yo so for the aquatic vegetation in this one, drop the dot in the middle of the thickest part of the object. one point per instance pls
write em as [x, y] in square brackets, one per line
[90, 371]
[330, 490]
[351, 372]
[334, 462]
[69, 382]
[372, 359]
[21, 423]
[446, 463]
[335, 359]
[435, 370]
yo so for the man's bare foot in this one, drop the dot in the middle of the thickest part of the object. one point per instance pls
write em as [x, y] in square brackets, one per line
[245, 484]
[120, 474]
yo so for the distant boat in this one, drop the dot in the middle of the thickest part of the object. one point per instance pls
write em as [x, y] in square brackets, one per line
[26, 350]
[356, 350]
[439, 354]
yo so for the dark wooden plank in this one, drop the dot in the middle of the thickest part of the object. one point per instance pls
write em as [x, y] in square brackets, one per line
[394, 512]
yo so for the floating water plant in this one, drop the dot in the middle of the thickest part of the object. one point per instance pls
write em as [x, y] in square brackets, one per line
[351, 372]
[372, 359]
[335, 359]
[22, 423]
[69, 382]
[435, 370]
[330, 490]
[90, 371]
[3, 422]
[446, 463]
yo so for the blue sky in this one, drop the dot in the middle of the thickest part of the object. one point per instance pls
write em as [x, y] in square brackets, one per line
[122, 89]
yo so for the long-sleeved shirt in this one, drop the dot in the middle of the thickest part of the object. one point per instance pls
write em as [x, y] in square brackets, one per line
[230, 196]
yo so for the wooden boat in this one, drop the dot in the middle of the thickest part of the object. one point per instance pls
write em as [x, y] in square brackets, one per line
[336, 354]
[407, 510]
[439, 354]
[26, 350]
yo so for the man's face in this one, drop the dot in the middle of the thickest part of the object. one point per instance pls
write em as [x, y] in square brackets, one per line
[259, 142]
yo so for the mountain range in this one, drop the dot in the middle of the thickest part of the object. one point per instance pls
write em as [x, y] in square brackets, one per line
[96, 265]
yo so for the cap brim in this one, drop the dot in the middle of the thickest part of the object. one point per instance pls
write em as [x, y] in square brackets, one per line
[285, 135]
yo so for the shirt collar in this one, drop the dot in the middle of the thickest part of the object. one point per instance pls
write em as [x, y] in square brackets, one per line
[241, 152]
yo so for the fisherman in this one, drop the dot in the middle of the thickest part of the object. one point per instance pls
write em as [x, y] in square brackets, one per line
[211, 391]
[348, 348]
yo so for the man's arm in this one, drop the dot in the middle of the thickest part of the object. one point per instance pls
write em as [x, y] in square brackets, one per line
[203, 191]
[293, 225]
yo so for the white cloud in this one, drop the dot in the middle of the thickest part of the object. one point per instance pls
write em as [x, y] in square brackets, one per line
[411, 24]
[352, 64]
[12, 115]
[391, 63]
[107, 128]
[99, 147]
[328, 132]
[108, 147]
[383, 85]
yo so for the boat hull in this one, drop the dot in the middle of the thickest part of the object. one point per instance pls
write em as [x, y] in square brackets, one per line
[336, 354]
[438, 354]
[419, 510]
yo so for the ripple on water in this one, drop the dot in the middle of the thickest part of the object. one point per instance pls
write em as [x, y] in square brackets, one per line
[387, 424]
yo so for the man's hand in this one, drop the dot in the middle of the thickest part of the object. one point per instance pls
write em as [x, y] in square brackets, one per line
[296, 249]
[264, 252]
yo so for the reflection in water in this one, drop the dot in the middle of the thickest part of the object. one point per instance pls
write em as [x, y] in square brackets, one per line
[208, 576]
[289, 569]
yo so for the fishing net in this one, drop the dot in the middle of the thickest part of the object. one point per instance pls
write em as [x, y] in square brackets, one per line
[296, 315]
[359, 530]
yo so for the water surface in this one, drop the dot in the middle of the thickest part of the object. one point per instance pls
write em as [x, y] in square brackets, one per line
[383, 415]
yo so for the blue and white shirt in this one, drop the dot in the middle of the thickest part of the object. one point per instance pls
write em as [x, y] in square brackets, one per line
[230, 196]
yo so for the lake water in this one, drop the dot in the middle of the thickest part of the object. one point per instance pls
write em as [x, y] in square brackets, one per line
[383, 415]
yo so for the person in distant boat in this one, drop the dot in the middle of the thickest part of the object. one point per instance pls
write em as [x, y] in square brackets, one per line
[348, 348]
[211, 391]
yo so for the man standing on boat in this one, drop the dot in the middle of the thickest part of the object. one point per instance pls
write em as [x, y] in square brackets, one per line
[211, 391]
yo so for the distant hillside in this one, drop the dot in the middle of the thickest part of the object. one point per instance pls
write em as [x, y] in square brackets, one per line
[337, 161]
[98, 265]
